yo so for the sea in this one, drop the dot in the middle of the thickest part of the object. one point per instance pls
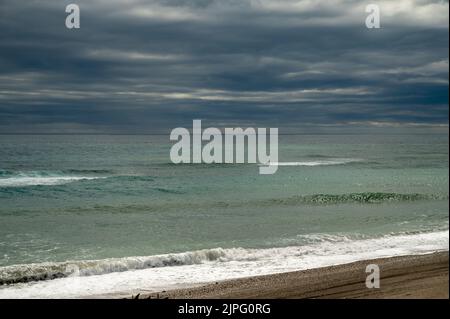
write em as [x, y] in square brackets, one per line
[110, 215]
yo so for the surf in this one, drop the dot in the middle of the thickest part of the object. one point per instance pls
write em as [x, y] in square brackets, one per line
[319, 245]
[43, 178]
[171, 271]
[339, 161]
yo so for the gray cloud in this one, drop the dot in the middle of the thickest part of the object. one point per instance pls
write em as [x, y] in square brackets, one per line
[147, 66]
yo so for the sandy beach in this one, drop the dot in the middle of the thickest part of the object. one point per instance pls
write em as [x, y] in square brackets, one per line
[418, 276]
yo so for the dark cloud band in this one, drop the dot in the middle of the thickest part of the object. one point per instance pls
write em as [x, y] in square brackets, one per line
[145, 66]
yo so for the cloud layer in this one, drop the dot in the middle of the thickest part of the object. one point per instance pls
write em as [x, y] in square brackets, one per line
[149, 66]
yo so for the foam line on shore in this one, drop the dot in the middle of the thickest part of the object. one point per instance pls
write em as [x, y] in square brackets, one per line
[153, 272]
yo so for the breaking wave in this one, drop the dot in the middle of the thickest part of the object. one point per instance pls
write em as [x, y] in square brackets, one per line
[363, 198]
[316, 247]
[35, 178]
[338, 161]
[46, 271]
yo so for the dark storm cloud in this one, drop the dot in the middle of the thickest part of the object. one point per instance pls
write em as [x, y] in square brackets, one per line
[146, 66]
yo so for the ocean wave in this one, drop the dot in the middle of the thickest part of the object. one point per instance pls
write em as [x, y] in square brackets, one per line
[46, 271]
[337, 161]
[36, 178]
[317, 246]
[87, 171]
[36, 181]
[362, 198]
[301, 200]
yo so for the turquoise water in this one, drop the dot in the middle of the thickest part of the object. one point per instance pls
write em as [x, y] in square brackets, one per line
[68, 197]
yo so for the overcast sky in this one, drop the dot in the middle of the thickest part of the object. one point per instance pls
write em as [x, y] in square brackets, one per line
[139, 66]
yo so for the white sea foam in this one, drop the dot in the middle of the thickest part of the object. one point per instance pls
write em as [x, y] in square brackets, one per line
[339, 161]
[25, 180]
[220, 264]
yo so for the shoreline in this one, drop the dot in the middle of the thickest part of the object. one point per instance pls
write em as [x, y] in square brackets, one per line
[411, 276]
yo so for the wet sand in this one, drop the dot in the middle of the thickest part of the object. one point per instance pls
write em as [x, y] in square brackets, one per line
[420, 276]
